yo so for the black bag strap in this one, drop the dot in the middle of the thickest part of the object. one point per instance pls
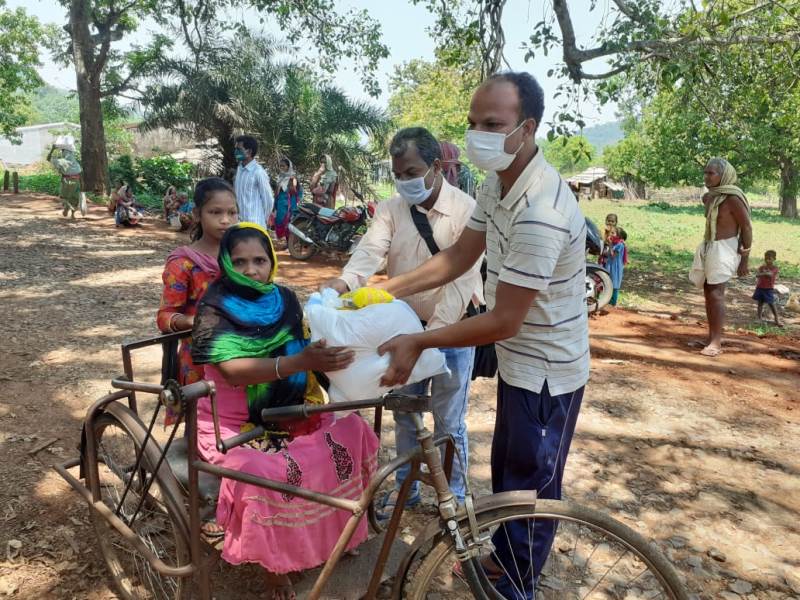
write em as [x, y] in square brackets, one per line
[424, 228]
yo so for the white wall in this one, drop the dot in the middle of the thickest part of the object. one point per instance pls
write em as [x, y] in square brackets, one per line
[36, 143]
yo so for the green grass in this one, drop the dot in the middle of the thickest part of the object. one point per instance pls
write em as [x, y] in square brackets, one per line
[762, 329]
[43, 183]
[662, 237]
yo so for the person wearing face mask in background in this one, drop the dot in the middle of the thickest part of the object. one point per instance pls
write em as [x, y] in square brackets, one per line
[253, 190]
[528, 222]
[423, 195]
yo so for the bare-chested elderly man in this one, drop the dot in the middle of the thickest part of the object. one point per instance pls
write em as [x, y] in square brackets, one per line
[725, 248]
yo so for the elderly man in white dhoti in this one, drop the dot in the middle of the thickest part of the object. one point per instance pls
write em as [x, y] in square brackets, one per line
[725, 248]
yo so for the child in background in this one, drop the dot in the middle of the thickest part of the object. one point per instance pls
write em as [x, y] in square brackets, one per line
[765, 286]
[611, 228]
[616, 259]
[190, 269]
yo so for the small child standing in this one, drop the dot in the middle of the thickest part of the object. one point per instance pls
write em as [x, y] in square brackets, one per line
[765, 285]
[616, 259]
[615, 253]
[611, 228]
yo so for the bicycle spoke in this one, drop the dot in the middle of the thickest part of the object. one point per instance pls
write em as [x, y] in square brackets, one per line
[531, 537]
[508, 575]
[611, 568]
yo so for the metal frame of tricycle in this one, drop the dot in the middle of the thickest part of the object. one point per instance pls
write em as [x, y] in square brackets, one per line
[192, 530]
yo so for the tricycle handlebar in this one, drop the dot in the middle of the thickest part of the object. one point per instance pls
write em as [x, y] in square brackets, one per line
[392, 401]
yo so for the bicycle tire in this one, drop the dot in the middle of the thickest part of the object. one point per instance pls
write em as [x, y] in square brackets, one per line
[162, 511]
[418, 583]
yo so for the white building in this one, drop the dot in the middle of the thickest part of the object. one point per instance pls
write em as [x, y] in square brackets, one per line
[36, 141]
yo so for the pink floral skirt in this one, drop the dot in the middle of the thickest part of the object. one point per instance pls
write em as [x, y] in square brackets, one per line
[280, 532]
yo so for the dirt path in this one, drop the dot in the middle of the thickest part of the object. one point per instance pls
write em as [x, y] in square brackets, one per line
[701, 455]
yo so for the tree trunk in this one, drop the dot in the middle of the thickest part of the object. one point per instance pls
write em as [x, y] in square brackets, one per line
[94, 160]
[88, 70]
[226, 145]
[788, 191]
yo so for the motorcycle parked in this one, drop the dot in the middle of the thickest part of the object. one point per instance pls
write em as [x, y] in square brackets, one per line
[599, 287]
[316, 228]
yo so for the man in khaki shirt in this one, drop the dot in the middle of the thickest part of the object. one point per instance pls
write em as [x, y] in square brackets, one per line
[393, 236]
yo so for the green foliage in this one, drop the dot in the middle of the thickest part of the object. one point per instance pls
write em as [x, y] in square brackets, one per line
[119, 138]
[568, 155]
[753, 121]
[20, 36]
[433, 95]
[150, 201]
[53, 105]
[244, 87]
[150, 177]
[44, 183]
[122, 169]
[158, 173]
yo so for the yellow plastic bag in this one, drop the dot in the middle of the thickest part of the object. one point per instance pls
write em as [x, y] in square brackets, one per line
[365, 296]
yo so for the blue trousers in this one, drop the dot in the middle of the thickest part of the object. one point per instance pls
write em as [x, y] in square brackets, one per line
[449, 399]
[532, 436]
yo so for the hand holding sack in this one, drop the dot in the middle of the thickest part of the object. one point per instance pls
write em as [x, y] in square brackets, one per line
[374, 318]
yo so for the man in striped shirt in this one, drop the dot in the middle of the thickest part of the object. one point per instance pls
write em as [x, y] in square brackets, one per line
[528, 222]
[253, 191]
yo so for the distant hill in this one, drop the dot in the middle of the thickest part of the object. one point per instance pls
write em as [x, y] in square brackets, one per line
[603, 135]
[53, 105]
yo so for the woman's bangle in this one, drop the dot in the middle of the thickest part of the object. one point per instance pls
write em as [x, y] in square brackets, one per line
[277, 365]
[172, 320]
[744, 250]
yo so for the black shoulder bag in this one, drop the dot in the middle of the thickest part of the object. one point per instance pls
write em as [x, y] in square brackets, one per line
[485, 364]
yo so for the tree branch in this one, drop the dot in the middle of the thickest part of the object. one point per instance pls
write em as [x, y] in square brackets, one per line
[123, 85]
[574, 57]
[606, 75]
[628, 11]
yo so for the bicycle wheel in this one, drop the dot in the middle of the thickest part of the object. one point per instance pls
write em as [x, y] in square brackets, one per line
[593, 557]
[159, 521]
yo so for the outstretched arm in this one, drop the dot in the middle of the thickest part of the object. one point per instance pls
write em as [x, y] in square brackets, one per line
[446, 266]
[500, 323]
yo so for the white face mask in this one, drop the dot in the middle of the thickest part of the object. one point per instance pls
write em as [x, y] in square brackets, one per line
[487, 149]
[414, 191]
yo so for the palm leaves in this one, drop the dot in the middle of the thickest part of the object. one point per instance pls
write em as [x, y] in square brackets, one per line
[246, 87]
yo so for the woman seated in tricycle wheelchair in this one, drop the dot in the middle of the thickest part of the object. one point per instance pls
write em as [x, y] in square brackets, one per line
[249, 332]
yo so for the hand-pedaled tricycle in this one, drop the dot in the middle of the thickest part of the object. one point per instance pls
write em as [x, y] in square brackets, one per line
[148, 496]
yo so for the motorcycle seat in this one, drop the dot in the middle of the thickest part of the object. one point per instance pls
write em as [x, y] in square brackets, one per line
[310, 207]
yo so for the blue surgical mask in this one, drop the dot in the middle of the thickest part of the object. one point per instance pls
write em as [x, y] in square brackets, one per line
[414, 190]
[239, 155]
